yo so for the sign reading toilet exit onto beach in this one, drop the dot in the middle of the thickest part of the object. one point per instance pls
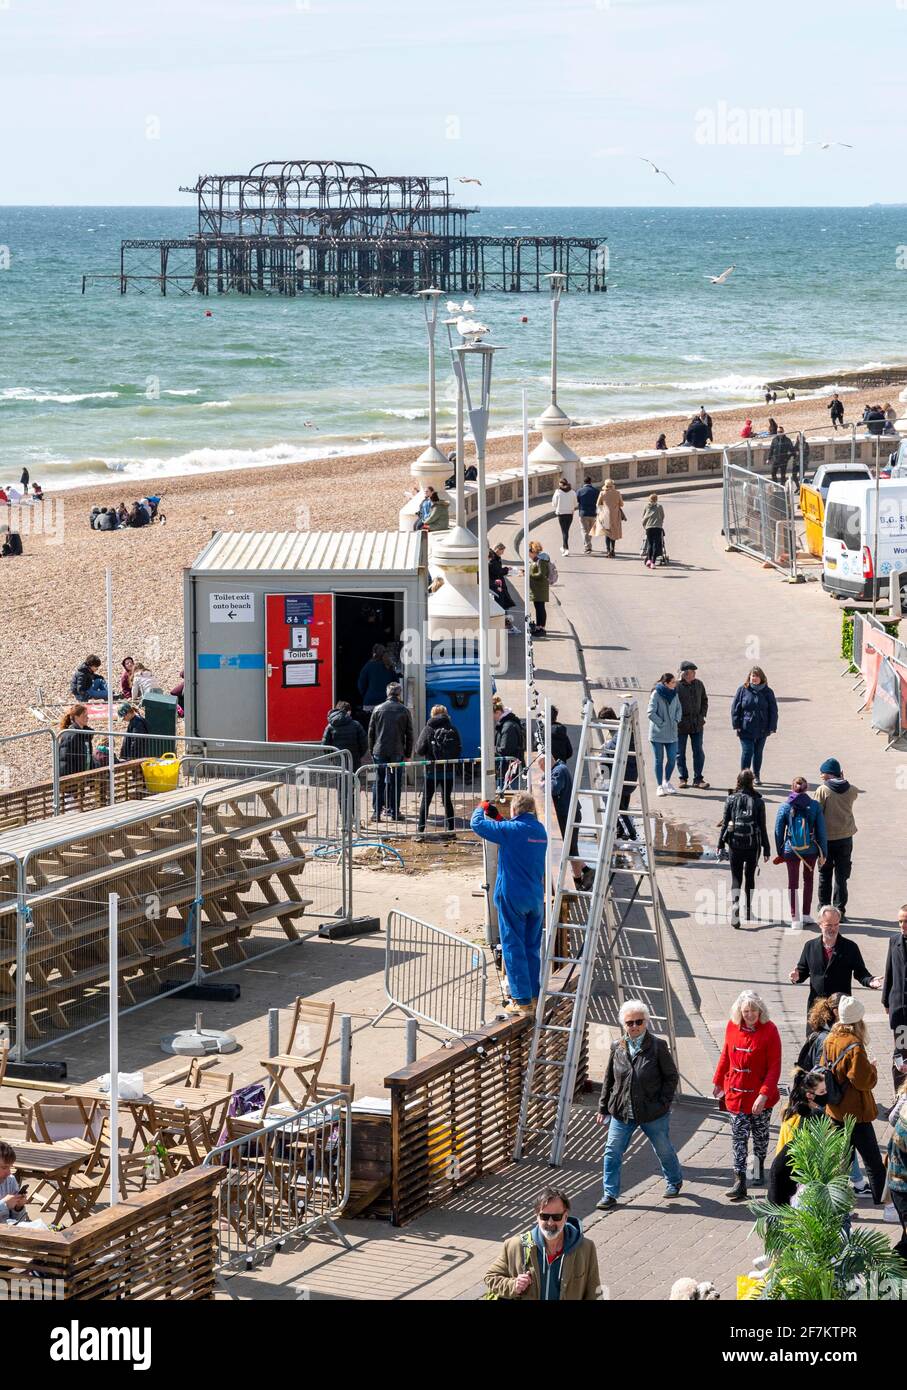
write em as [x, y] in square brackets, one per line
[228, 607]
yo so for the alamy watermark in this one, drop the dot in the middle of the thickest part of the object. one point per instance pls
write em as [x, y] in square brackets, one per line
[769, 126]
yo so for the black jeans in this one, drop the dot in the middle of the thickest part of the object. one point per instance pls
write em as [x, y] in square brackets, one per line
[541, 614]
[625, 823]
[779, 468]
[444, 784]
[867, 1146]
[565, 522]
[900, 1205]
[743, 860]
[837, 865]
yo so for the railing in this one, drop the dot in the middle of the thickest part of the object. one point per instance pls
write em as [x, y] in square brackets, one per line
[159, 1245]
[282, 1178]
[414, 798]
[434, 975]
[454, 1113]
[759, 518]
[82, 791]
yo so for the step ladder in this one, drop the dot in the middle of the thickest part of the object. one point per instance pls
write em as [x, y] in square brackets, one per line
[614, 930]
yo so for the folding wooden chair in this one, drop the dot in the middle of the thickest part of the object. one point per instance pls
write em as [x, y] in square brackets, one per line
[65, 1117]
[84, 1189]
[15, 1118]
[308, 1017]
[209, 1077]
[184, 1140]
[4, 1058]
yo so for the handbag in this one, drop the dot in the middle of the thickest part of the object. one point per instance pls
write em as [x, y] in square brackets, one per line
[623, 514]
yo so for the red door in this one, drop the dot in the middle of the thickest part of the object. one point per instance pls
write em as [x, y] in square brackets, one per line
[299, 669]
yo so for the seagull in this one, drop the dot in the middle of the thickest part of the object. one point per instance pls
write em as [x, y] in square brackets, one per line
[827, 144]
[471, 330]
[463, 179]
[656, 169]
[453, 308]
[723, 277]
[468, 308]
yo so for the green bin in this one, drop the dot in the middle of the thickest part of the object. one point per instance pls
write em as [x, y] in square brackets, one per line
[160, 716]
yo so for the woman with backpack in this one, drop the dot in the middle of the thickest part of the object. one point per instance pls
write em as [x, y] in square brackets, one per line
[820, 1020]
[664, 716]
[743, 835]
[754, 716]
[746, 1079]
[440, 745]
[850, 1077]
[800, 840]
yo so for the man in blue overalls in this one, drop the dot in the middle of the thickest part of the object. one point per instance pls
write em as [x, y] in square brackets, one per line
[519, 892]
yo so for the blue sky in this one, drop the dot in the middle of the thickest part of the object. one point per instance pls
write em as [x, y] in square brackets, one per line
[548, 102]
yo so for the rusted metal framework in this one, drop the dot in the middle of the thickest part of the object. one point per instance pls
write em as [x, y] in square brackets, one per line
[331, 227]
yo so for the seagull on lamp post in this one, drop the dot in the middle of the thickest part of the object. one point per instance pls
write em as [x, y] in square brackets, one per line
[470, 330]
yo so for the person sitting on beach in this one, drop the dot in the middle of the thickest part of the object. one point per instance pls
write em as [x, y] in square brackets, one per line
[123, 514]
[106, 519]
[697, 433]
[87, 682]
[93, 517]
[177, 691]
[137, 516]
[143, 683]
[37, 492]
[661, 442]
[772, 425]
[12, 544]
[747, 431]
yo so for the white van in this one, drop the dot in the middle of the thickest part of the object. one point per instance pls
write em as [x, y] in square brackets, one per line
[850, 566]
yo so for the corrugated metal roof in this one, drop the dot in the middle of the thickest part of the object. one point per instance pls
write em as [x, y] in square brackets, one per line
[266, 552]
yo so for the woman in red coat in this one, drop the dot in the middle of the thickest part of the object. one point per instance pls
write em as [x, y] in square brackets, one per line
[747, 1077]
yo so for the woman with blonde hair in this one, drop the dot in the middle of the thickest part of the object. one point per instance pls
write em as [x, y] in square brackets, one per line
[74, 743]
[746, 1079]
[844, 1055]
[609, 517]
[539, 578]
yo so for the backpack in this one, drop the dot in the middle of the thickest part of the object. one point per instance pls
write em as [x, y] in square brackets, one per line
[834, 1089]
[445, 746]
[799, 832]
[743, 824]
[552, 572]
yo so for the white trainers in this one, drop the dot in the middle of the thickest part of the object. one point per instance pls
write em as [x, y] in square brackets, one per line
[669, 790]
[564, 550]
[796, 924]
[660, 791]
[809, 920]
[890, 1213]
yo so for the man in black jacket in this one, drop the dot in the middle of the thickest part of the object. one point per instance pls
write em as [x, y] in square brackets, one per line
[390, 740]
[894, 996]
[694, 705]
[780, 453]
[441, 747]
[830, 961]
[637, 1092]
[343, 731]
[509, 738]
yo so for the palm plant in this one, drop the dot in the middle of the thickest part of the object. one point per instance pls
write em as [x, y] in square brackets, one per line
[815, 1253]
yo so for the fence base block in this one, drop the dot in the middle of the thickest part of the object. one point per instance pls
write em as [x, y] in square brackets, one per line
[350, 926]
[37, 1071]
[219, 994]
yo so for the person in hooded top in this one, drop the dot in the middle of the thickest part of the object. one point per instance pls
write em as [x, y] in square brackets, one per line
[343, 731]
[836, 796]
[800, 841]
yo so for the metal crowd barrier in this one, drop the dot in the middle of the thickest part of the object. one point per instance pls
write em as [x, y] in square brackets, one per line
[284, 1176]
[760, 518]
[409, 798]
[431, 974]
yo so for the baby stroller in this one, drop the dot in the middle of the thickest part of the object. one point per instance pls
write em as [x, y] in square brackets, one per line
[660, 555]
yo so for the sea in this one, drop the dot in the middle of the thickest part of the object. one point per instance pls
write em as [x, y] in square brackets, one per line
[147, 387]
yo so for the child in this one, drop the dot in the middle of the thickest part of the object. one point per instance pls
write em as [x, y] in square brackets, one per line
[12, 1202]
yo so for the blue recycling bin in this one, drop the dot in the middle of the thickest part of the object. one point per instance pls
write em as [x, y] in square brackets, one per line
[455, 684]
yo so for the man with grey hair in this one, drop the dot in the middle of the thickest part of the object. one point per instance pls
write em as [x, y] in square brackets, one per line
[639, 1086]
[390, 741]
[830, 961]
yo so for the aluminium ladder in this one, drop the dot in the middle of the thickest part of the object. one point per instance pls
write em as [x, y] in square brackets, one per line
[616, 925]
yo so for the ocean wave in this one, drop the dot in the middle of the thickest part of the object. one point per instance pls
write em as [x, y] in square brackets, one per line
[192, 391]
[27, 395]
[215, 405]
[418, 413]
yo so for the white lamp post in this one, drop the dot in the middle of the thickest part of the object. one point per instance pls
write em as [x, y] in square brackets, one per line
[431, 467]
[553, 422]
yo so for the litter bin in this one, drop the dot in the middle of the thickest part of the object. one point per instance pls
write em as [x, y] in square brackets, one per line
[160, 716]
[456, 685]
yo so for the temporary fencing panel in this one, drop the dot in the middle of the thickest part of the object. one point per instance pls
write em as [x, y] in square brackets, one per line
[432, 974]
[759, 518]
[411, 798]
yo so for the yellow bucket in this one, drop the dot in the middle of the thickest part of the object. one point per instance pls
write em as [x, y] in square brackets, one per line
[161, 774]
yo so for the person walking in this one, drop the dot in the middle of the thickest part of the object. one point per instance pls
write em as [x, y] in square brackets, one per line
[694, 706]
[586, 503]
[894, 996]
[831, 961]
[803, 1105]
[897, 1173]
[639, 1085]
[819, 1022]
[754, 718]
[440, 745]
[564, 507]
[653, 522]
[664, 713]
[800, 841]
[74, 743]
[610, 517]
[373, 679]
[519, 892]
[844, 1054]
[747, 1079]
[552, 1262]
[390, 741]
[539, 579]
[836, 796]
[836, 406]
[781, 451]
[743, 836]
[343, 731]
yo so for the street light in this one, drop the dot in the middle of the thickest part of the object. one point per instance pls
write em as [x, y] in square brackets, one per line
[430, 299]
[557, 280]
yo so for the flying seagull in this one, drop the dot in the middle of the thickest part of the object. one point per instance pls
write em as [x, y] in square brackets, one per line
[827, 144]
[723, 277]
[655, 169]
[462, 179]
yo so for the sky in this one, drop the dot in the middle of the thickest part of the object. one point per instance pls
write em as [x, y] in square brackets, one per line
[548, 102]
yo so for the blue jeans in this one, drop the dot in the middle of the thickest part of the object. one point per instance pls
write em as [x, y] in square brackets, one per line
[751, 753]
[619, 1136]
[665, 754]
[98, 689]
[698, 756]
[386, 791]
